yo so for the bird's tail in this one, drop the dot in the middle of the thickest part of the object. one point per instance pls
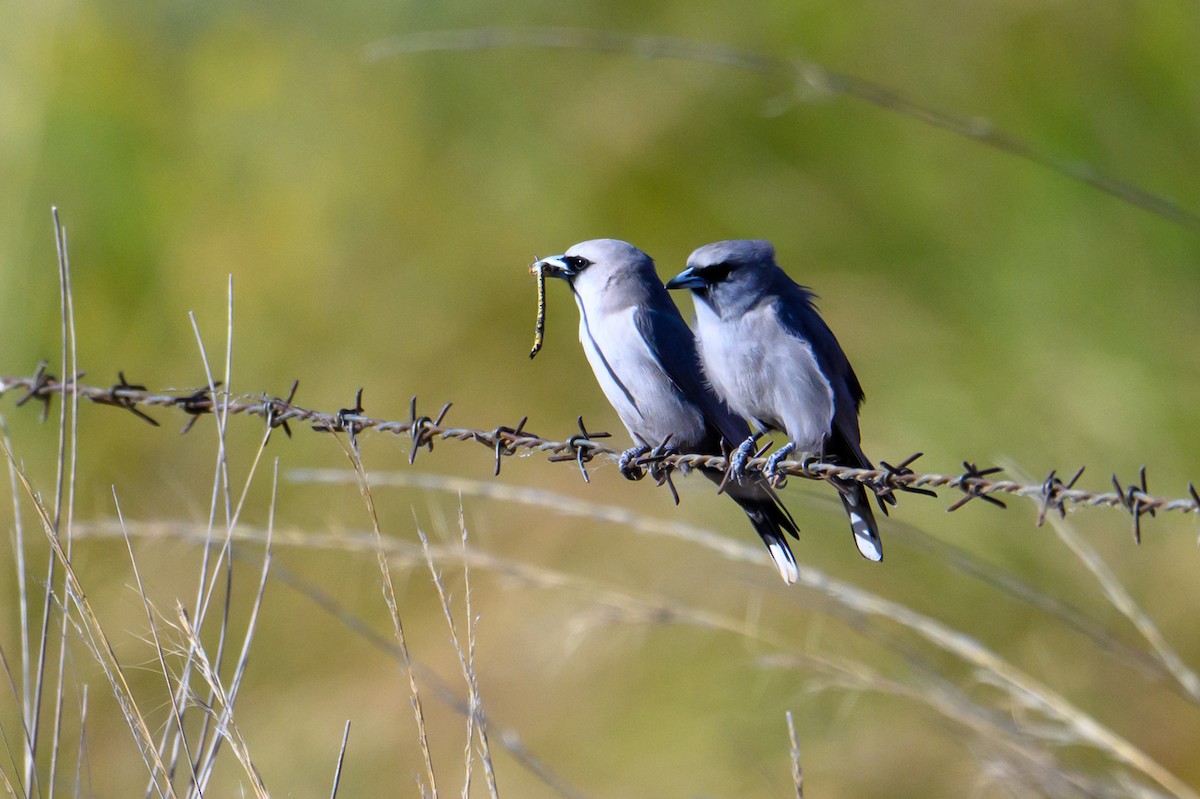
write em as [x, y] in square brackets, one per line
[770, 519]
[862, 520]
[770, 522]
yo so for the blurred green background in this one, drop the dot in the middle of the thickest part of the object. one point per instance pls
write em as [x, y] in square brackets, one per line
[377, 218]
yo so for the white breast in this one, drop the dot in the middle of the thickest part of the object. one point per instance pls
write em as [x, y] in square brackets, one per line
[635, 382]
[766, 375]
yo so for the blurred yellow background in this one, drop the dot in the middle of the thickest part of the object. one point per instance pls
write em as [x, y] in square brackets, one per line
[377, 214]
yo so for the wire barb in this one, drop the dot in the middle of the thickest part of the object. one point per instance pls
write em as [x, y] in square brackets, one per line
[276, 411]
[974, 486]
[1052, 498]
[120, 398]
[660, 471]
[582, 448]
[886, 486]
[504, 440]
[40, 389]
[347, 420]
[196, 404]
[1132, 501]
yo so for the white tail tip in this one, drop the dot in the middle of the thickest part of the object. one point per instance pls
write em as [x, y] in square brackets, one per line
[865, 539]
[784, 562]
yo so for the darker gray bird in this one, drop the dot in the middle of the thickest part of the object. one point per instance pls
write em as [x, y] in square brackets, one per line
[774, 361]
[645, 360]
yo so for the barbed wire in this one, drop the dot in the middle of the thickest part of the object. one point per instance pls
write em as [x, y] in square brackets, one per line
[1054, 493]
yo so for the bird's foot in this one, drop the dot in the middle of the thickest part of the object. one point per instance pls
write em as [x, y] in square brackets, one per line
[771, 470]
[737, 461]
[629, 469]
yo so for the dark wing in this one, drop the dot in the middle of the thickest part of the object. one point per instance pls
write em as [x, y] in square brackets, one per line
[671, 340]
[798, 316]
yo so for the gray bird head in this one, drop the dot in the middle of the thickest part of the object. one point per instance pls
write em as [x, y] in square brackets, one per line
[604, 268]
[728, 275]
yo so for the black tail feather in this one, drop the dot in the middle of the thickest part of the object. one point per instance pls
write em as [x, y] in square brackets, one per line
[770, 519]
[862, 520]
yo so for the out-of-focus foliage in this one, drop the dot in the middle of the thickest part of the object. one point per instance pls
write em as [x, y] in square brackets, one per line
[377, 217]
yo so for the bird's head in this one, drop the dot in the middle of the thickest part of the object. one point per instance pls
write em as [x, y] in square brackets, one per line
[728, 273]
[600, 266]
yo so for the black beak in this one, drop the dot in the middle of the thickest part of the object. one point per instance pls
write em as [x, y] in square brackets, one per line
[687, 279]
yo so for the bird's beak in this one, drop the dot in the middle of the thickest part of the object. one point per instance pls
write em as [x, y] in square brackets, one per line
[555, 266]
[687, 279]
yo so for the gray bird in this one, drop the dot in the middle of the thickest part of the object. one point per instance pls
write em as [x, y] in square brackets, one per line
[645, 360]
[774, 361]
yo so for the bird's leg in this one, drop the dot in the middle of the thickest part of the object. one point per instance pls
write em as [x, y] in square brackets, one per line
[737, 461]
[626, 464]
[771, 470]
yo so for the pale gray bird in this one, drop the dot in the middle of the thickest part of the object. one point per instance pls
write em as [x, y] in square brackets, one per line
[645, 360]
[774, 361]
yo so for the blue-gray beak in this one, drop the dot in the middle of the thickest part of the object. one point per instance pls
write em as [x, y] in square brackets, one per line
[556, 266]
[687, 279]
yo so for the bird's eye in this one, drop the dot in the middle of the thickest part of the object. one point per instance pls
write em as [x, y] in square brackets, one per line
[717, 272]
[577, 262]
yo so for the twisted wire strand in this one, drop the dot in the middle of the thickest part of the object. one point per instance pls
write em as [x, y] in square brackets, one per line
[1054, 493]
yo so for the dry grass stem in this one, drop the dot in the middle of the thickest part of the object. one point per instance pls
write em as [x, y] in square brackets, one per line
[794, 748]
[1123, 602]
[389, 595]
[337, 772]
[226, 726]
[476, 722]
[96, 639]
[209, 758]
[159, 650]
[732, 549]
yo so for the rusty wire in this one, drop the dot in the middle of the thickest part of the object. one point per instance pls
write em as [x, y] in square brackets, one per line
[1053, 494]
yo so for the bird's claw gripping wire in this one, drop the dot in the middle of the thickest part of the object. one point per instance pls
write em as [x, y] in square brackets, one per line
[735, 470]
[771, 470]
[737, 460]
[635, 462]
[628, 464]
